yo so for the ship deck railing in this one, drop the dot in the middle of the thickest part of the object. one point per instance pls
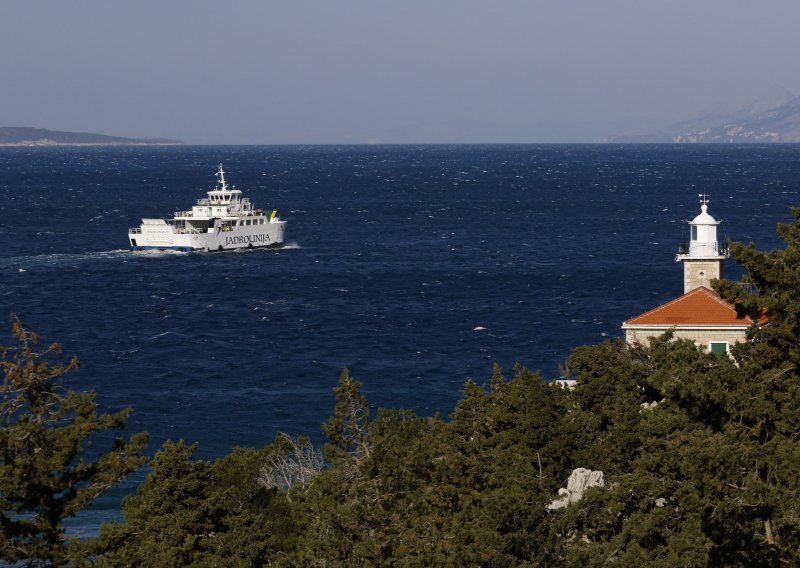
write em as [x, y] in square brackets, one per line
[187, 231]
[178, 230]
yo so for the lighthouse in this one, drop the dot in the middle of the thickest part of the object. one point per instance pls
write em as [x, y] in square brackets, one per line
[700, 315]
[703, 255]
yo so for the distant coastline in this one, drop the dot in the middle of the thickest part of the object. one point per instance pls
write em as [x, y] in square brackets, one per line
[16, 136]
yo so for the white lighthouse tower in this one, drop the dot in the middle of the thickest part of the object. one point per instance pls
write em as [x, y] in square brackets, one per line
[703, 255]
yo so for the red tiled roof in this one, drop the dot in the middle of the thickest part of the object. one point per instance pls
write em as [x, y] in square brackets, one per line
[700, 306]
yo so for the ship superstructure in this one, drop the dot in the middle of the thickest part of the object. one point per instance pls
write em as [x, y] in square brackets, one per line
[223, 220]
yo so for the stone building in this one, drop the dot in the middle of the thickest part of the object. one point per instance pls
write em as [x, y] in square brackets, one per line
[700, 314]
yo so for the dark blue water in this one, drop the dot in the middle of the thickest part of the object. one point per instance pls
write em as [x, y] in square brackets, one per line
[414, 266]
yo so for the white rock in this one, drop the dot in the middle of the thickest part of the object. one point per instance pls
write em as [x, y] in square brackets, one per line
[579, 481]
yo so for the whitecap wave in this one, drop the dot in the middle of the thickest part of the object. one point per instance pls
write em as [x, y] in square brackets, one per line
[165, 333]
[60, 259]
[157, 253]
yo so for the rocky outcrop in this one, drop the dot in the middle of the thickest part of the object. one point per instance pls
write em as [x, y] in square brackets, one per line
[579, 481]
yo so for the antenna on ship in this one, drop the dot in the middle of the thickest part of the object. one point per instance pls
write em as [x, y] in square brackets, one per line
[221, 174]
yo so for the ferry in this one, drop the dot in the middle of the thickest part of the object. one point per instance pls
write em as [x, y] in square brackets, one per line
[222, 221]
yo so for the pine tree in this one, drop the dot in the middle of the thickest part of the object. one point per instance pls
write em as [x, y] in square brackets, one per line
[179, 517]
[45, 475]
[348, 428]
[765, 408]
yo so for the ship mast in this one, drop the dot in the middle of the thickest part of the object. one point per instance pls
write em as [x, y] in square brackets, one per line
[223, 185]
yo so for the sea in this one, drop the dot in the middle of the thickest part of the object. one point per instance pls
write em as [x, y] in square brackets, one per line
[416, 267]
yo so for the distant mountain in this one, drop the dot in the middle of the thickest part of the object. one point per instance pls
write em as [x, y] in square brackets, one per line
[23, 136]
[772, 117]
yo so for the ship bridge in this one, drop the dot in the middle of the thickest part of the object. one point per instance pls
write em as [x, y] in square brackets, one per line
[223, 194]
[223, 201]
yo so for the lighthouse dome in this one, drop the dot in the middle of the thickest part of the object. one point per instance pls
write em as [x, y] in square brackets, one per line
[704, 218]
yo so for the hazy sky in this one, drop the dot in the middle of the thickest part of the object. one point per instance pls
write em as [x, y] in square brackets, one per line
[348, 71]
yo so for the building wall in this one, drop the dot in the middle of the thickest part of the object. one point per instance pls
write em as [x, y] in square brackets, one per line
[698, 273]
[700, 336]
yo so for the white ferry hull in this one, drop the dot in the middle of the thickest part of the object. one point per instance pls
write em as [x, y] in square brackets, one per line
[224, 220]
[162, 237]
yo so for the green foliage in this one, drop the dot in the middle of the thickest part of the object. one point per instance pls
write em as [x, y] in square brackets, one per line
[178, 517]
[424, 491]
[347, 429]
[236, 480]
[45, 475]
[193, 512]
[507, 455]
[710, 478]
[612, 386]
